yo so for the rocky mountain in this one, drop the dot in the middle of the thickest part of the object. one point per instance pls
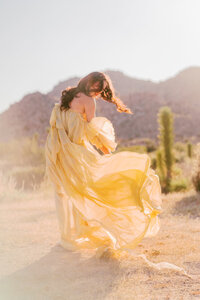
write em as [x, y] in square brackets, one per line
[181, 92]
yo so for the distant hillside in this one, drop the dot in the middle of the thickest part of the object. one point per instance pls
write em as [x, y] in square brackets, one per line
[181, 92]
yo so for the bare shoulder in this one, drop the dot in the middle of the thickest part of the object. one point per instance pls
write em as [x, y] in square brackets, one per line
[89, 107]
[88, 100]
[85, 100]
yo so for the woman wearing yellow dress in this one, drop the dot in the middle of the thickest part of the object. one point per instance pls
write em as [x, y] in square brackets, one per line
[102, 199]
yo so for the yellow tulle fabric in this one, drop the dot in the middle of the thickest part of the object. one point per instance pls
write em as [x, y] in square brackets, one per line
[113, 198]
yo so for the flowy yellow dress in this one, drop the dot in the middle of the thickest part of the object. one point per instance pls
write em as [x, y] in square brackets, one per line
[113, 198]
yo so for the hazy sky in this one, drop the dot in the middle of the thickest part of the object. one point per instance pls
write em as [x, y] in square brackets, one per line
[47, 41]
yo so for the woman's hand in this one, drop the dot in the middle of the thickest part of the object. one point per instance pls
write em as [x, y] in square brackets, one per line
[105, 150]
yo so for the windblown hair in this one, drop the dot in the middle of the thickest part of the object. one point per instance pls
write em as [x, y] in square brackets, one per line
[85, 86]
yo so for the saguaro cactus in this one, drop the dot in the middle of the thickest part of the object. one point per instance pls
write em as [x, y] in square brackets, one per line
[189, 149]
[166, 137]
[160, 164]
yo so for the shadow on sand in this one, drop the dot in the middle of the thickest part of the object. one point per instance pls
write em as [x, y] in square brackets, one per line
[188, 206]
[63, 275]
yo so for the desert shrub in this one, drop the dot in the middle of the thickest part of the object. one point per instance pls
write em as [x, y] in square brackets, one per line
[179, 146]
[176, 171]
[179, 156]
[179, 184]
[153, 163]
[196, 169]
[150, 145]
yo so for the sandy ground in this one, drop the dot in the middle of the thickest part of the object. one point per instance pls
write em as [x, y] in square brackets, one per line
[34, 266]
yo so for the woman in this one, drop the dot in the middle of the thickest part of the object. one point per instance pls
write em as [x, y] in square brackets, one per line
[102, 199]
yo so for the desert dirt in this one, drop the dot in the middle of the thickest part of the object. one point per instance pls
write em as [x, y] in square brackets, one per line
[33, 265]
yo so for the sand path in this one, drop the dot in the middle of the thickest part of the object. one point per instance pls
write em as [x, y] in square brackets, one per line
[35, 266]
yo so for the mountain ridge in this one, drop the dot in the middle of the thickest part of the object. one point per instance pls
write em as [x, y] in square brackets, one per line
[144, 97]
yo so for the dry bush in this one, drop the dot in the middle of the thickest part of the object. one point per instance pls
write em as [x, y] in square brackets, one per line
[179, 185]
[196, 169]
[28, 177]
[24, 151]
[23, 160]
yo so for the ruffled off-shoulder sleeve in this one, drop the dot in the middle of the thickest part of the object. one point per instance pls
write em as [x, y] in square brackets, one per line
[100, 132]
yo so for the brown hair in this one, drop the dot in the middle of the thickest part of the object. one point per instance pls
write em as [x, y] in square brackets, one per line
[84, 86]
